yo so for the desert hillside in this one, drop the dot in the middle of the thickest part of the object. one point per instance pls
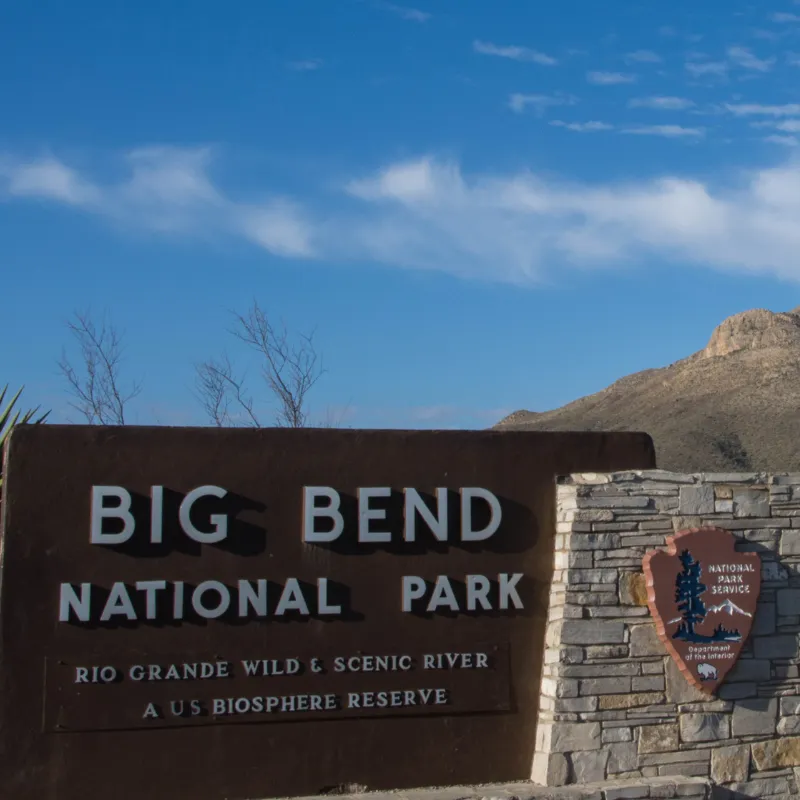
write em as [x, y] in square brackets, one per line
[734, 405]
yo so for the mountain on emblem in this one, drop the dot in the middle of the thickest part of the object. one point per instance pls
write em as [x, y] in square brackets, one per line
[702, 595]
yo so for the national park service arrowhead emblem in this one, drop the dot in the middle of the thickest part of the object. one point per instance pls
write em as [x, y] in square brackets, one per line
[702, 595]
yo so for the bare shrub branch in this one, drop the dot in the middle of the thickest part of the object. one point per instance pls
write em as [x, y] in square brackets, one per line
[218, 388]
[95, 383]
[290, 367]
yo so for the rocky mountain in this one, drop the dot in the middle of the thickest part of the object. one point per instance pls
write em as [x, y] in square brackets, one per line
[735, 405]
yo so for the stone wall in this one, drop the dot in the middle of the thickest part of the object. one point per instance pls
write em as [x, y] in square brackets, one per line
[613, 704]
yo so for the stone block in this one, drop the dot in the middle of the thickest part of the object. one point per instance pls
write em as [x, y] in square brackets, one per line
[776, 753]
[723, 506]
[694, 789]
[575, 705]
[615, 501]
[751, 503]
[696, 500]
[764, 620]
[604, 686]
[645, 642]
[788, 602]
[737, 691]
[662, 790]
[790, 543]
[750, 669]
[591, 576]
[763, 787]
[678, 689]
[617, 735]
[622, 669]
[733, 477]
[730, 764]
[569, 736]
[755, 716]
[588, 767]
[651, 683]
[550, 769]
[777, 646]
[632, 589]
[790, 705]
[704, 727]
[673, 758]
[658, 738]
[773, 572]
[622, 757]
[589, 515]
[789, 726]
[592, 632]
[594, 541]
[607, 651]
[626, 793]
[687, 768]
[630, 700]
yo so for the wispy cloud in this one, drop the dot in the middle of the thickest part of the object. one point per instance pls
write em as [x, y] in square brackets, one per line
[169, 191]
[308, 65]
[609, 78]
[514, 52]
[757, 109]
[538, 102]
[786, 141]
[788, 126]
[704, 69]
[667, 131]
[404, 12]
[783, 16]
[644, 57]
[426, 213]
[745, 58]
[582, 127]
[661, 103]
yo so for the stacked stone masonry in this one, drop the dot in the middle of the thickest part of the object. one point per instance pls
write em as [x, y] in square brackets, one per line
[614, 705]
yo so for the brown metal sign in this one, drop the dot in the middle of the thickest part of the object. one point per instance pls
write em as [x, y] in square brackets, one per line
[702, 595]
[254, 613]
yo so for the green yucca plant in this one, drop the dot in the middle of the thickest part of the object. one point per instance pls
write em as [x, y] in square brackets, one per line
[7, 422]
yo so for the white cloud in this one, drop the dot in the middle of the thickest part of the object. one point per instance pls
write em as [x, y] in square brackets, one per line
[538, 102]
[280, 228]
[425, 213]
[410, 14]
[309, 65]
[756, 109]
[49, 179]
[786, 141]
[583, 127]
[514, 52]
[717, 69]
[668, 131]
[609, 78]
[661, 103]
[747, 60]
[644, 57]
[782, 16]
[789, 126]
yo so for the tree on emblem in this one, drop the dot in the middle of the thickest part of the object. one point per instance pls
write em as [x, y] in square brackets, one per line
[688, 596]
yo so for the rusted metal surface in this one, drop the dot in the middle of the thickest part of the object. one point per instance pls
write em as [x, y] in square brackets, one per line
[65, 740]
[703, 596]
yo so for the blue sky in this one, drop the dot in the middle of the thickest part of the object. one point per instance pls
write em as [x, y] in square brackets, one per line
[478, 206]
